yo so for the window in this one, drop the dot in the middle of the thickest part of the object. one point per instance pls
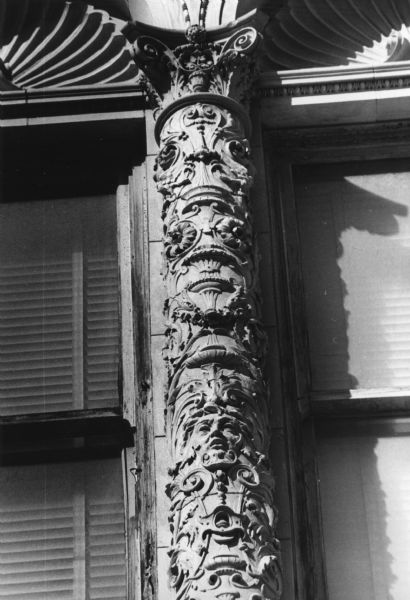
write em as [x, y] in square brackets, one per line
[354, 228]
[59, 339]
[63, 505]
[365, 498]
[62, 531]
[348, 258]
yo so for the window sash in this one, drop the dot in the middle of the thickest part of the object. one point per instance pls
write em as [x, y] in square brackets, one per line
[59, 321]
[62, 532]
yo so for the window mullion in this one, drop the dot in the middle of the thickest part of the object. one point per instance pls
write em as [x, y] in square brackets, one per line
[78, 320]
[79, 543]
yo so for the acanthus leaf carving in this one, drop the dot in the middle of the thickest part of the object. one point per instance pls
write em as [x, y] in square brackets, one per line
[224, 67]
[222, 514]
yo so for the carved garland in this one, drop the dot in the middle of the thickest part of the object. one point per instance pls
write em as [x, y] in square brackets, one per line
[222, 513]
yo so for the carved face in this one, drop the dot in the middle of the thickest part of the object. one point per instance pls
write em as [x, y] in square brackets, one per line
[229, 577]
[222, 535]
[203, 171]
[214, 432]
[219, 404]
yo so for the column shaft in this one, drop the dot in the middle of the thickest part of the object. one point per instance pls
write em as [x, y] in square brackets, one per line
[222, 513]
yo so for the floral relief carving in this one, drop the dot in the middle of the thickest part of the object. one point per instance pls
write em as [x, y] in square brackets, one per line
[222, 514]
[219, 67]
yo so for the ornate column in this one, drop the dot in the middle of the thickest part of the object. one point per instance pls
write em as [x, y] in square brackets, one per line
[222, 514]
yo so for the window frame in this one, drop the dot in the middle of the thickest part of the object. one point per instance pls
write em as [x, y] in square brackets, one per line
[110, 432]
[285, 149]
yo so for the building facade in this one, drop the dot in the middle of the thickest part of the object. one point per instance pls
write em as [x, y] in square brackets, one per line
[204, 299]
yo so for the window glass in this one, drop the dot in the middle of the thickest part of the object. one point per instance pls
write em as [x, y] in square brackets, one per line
[354, 227]
[365, 500]
[58, 305]
[62, 532]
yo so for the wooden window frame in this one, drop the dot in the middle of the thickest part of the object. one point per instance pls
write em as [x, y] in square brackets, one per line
[97, 433]
[105, 430]
[285, 149]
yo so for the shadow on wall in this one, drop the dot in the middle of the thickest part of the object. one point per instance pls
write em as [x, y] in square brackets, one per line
[357, 501]
[355, 247]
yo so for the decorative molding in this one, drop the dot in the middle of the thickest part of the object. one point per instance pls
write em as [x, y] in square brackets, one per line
[202, 64]
[329, 81]
[326, 140]
[222, 507]
[60, 45]
[389, 407]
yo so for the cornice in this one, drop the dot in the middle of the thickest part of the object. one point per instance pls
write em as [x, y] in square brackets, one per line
[335, 80]
[48, 107]
[339, 142]
[362, 135]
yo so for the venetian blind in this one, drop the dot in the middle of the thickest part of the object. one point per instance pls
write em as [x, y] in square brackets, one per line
[354, 227]
[58, 305]
[365, 499]
[62, 532]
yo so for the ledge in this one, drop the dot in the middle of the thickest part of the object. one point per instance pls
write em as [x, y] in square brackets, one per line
[335, 95]
[20, 108]
[84, 137]
[328, 80]
[64, 435]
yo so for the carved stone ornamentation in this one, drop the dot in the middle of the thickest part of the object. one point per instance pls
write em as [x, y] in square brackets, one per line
[220, 67]
[222, 514]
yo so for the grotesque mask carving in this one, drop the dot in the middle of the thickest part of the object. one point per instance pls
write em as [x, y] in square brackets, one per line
[222, 515]
[221, 493]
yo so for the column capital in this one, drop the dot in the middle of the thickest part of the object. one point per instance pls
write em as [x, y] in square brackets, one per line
[180, 68]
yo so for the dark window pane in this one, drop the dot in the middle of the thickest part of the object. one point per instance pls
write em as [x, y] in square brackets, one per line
[58, 305]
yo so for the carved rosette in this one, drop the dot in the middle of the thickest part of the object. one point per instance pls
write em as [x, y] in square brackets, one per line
[222, 514]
